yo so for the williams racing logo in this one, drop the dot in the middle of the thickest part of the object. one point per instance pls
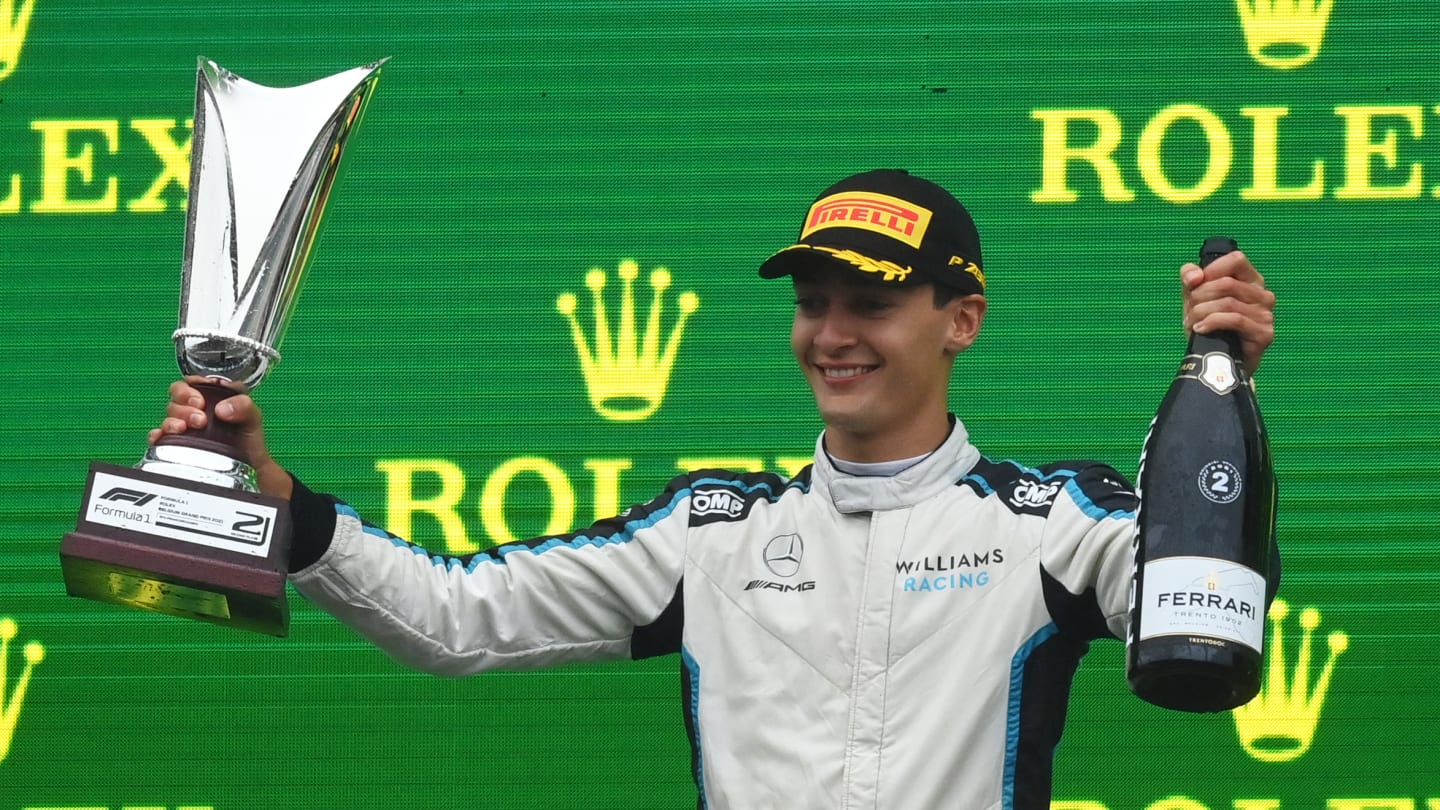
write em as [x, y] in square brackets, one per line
[947, 572]
[782, 557]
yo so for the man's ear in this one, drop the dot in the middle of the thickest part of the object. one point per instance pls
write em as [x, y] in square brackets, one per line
[967, 314]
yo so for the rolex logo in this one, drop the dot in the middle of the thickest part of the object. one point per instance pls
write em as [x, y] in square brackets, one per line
[1279, 724]
[10, 701]
[626, 373]
[13, 25]
[1284, 34]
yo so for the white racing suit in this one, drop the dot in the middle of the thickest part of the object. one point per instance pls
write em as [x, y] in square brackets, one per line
[902, 642]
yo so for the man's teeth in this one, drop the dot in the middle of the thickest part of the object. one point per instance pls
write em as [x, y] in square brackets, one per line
[849, 371]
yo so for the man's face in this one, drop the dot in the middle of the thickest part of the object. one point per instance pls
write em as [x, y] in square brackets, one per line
[878, 356]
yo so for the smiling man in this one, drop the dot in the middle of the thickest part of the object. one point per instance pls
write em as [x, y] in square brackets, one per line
[877, 343]
[895, 627]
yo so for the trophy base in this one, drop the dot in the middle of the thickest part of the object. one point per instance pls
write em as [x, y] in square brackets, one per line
[182, 548]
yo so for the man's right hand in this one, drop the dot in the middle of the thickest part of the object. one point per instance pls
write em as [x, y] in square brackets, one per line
[187, 410]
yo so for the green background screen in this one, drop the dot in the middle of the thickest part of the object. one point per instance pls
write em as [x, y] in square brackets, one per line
[512, 148]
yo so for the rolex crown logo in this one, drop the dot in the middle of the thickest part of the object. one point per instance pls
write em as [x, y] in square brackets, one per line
[13, 25]
[626, 373]
[11, 700]
[1279, 724]
[1284, 34]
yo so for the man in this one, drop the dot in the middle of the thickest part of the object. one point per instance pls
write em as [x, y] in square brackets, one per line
[895, 627]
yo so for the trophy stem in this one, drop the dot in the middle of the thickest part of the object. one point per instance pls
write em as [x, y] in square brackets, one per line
[207, 455]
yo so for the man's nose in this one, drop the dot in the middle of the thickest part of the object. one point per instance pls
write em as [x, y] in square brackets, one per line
[837, 330]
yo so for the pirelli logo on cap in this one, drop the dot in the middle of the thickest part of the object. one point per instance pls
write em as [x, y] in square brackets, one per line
[879, 213]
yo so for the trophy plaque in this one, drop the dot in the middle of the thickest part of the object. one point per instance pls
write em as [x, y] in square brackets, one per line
[185, 531]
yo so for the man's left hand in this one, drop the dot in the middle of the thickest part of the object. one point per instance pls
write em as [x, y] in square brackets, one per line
[1230, 294]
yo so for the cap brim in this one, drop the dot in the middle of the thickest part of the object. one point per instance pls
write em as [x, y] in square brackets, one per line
[787, 260]
[810, 257]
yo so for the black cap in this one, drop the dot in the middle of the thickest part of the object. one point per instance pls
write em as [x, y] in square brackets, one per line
[892, 227]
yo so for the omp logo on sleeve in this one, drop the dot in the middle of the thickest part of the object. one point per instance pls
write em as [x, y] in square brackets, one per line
[13, 25]
[880, 213]
[1279, 724]
[1284, 34]
[712, 501]
[11, 701]
[626, 373]
[1035, 494]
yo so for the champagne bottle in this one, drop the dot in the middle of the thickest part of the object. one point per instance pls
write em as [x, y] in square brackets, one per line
[1204, 533]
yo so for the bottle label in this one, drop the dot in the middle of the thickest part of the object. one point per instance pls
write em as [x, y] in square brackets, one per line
[1215, 369]
[1203, 597]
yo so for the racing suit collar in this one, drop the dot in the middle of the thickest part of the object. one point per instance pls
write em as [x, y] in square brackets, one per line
[867, 493]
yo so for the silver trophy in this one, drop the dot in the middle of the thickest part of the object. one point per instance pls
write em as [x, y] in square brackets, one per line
[261, 168]
[185, 531]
